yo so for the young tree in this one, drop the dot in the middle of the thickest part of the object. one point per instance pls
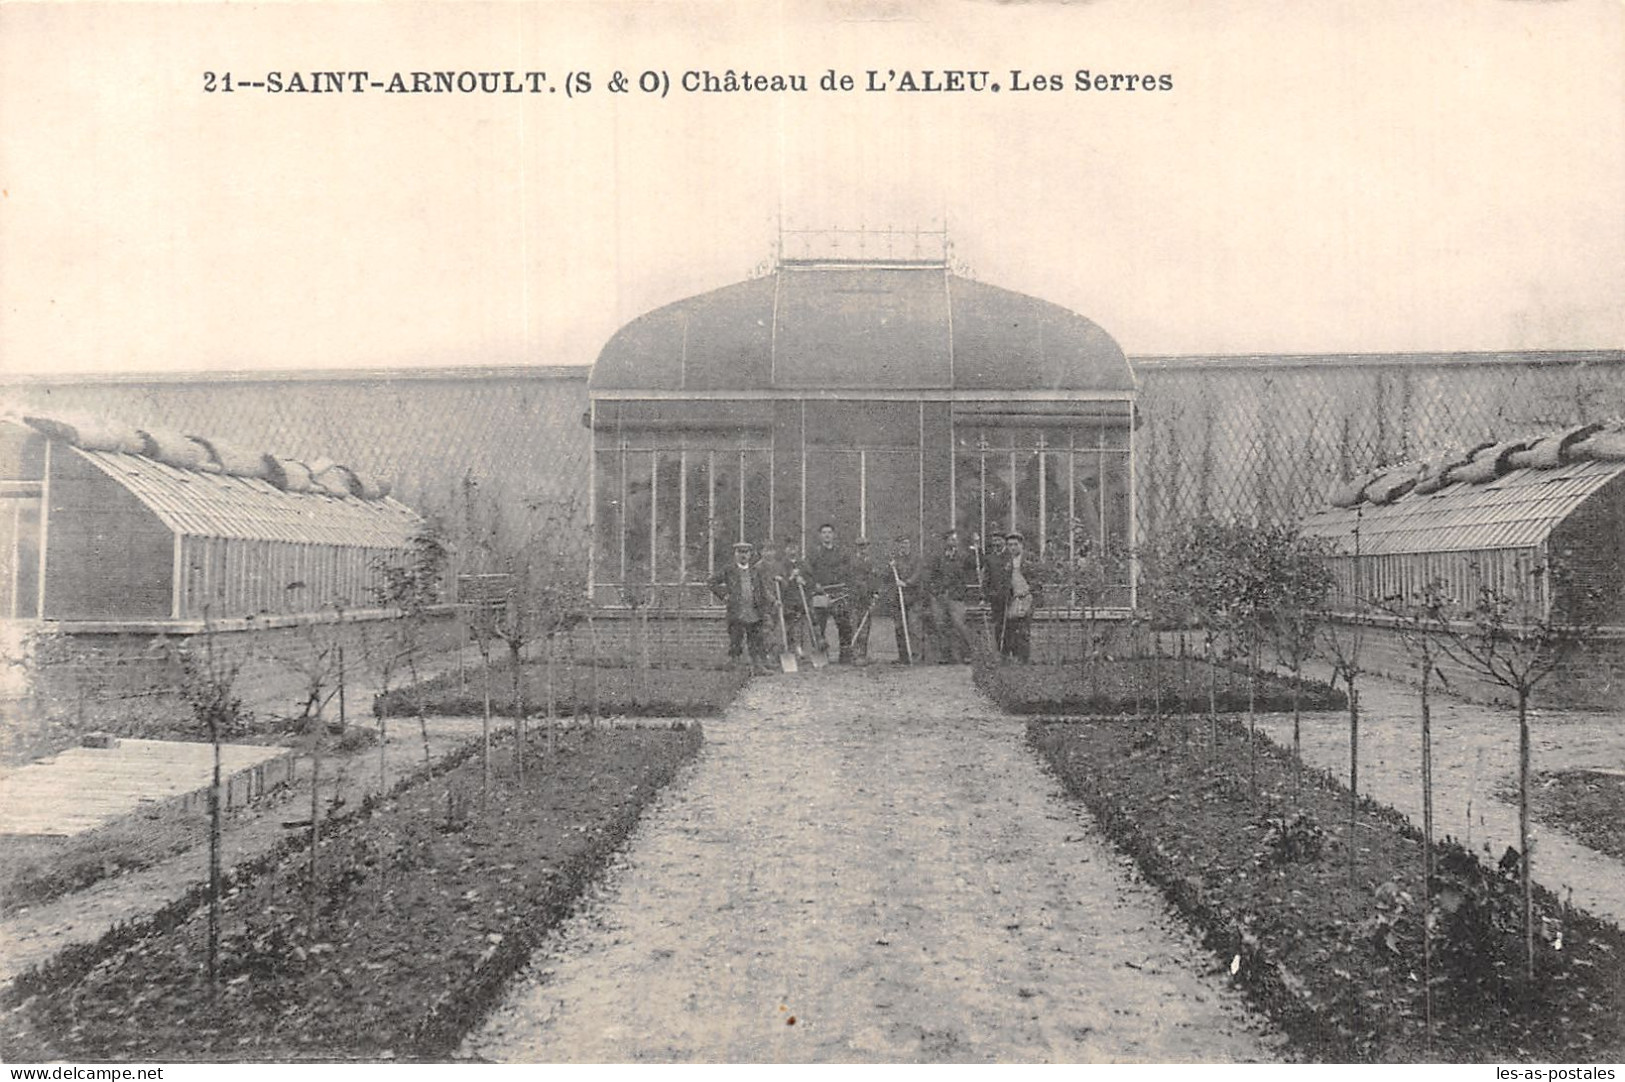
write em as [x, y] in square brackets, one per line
[319, 661]
[314, 658]
[1342, 640]
[478, 613]
[1077, 571]
[1182, 568]
[1160, 609]
[546, 591]
[534, 569]
[1512, 639]
[412, 587]
[1257, 556]
[1194, 571]
[1421, 622]
[384, 653]
[1300, 582]
[207, 680]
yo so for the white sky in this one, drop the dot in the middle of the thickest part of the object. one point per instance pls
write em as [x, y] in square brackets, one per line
[1324, 176]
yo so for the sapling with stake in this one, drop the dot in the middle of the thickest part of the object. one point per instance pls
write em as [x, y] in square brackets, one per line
[1512, 639]
[207, 683]
[1420, 621]
[1297, 600]
[1342, 640]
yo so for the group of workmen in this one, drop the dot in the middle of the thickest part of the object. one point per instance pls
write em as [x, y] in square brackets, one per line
[782, 601]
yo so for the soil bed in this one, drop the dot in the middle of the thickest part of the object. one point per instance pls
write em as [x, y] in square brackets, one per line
[1338, 959]
[625, 690]
[1586, 804]
[423, 909]
[1115, 686]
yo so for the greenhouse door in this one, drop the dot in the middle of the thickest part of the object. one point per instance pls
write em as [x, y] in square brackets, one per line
[891, 484]
[874, 494]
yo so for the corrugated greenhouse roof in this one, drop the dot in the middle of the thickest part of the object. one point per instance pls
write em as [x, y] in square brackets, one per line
[861, 327]
[1515, 511]
[202, 504]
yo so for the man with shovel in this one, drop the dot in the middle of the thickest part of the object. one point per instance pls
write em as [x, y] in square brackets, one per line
[903, 599]
[785, 573]
[867, 585]
[742, 587]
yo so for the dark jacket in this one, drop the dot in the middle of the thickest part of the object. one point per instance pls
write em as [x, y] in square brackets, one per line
[1001, 586]
[869, 577]
[951, 574]
[744, 590]
[830, 567]
[907, 569]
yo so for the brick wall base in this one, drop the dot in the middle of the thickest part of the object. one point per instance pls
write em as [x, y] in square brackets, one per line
[65, 682]
[701, 638]
[1592, 677]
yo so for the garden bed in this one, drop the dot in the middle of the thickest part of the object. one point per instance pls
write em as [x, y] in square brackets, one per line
[1588, 805]
[424, 907]
[1337, 960]
[630, 691]
[1115, 686]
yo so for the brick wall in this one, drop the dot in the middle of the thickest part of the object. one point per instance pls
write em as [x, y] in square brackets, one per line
[127, 681]
[1591, 678]
[702, 638]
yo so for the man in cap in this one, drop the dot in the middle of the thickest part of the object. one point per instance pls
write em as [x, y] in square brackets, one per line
[784, 572]
[742, 587]
[951, 574]
[1018, 588]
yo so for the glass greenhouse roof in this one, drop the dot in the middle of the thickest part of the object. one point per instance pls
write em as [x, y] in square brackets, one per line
[1518, 510]
[200, 504]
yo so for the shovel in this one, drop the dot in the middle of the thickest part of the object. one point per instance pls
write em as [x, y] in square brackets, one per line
[902, 612]
[815, 642]
[787, 658]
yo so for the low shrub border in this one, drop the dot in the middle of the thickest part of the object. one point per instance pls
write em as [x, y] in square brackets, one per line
[425, 907]
[1119, 686]
[1337, 962]
[630, 692]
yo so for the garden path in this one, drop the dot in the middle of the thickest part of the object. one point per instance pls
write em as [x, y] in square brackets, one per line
[1475, 754]
[871, 866]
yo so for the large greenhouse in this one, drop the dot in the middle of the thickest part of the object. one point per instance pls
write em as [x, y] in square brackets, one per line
[106, 523]
[889, 397]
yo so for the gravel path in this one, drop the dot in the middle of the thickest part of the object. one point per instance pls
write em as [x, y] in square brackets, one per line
[1475, 753]
[870, 866]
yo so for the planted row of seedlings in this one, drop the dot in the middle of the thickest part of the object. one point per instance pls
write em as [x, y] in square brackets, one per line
[1511, 970]
[1365, 945]
[391, 944]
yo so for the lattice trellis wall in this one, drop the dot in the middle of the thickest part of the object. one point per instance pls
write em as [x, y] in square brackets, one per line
[1267, 439]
